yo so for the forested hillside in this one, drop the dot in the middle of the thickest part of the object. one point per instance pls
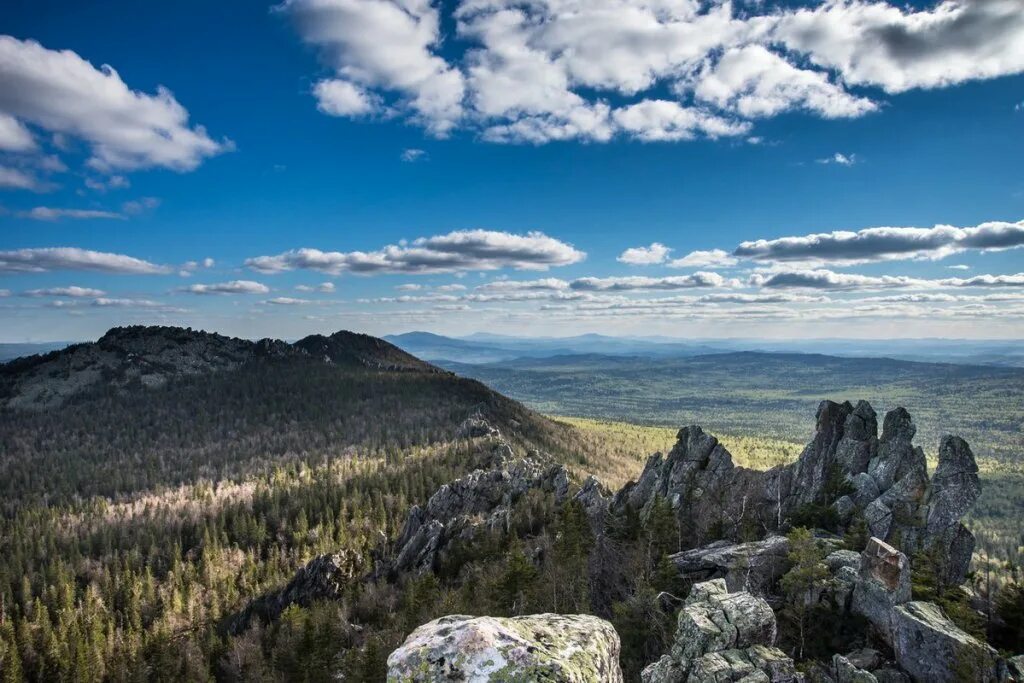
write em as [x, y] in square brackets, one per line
[141, 518]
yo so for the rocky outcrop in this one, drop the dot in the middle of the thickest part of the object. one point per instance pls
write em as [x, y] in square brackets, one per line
[325, 577]
[361, 350]
[846, 466]
[753, 567]
[542, 647]
[723, 636]
[883, 583]
[929, 647]
[479, 501]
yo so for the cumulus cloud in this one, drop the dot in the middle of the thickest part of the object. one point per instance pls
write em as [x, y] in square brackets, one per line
[827, 279]
[665, 121]
[885, 244]
[72, 258]
[830, 280]
[623, 284]
[17, 179]
[287, 301]
[61, 93]
[878, 44]
[548, 70]
[232, 287]
[388, 45]
[461, 250]
[73, 291]
[549, 284]
[714, 258]
[839, 159]
[645, 256]
[323, 287]
[47, 213]
[757, 83]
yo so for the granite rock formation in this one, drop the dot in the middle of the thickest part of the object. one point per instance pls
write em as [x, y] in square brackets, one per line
[847, 470]
[723, 636]
[542, 647]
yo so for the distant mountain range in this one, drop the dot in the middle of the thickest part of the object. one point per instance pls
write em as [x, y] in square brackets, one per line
[491, 348]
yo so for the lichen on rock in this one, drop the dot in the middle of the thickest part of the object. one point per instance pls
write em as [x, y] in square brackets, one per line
[541, 647]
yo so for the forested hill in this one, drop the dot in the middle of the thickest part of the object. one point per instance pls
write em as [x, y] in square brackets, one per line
[149, 407]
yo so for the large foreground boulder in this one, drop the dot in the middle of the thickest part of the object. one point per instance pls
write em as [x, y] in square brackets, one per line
[932, 648]
[541, 647]
[723, 636]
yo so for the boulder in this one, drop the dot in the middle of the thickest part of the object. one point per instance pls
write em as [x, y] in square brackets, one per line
[930, 647]
[845, 671]
[723, 636]
[752, 567]
[542, 647]
[883, 583]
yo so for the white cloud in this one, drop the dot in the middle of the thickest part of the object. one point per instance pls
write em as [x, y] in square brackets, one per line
[341, 98]
[135, 207]
[885, 244]
[413, 155]
[830, 280]
[16, 179]
[74, 292]
[874, 43]
[233, 287]
[383, 44]
[1016, 280]
[959, 266]
[662, 120]
[456, 251]
[622, 284]
[714, 258]
[323, 287]
[62, 93]
[756, 83]
[450, 288]
[287, 301]
[827, 279]
[73, 258]
[409, 287]
[14, 136]
[46, 213]
[839, 159]
[545, 284]
[545, 70]
[114, 182]
[645, 256]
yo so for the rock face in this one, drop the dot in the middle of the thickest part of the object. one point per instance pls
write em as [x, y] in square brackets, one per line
[479, 501]
[542, 647]
[325, 577]
[723, 636]
[930, 647]
[753, 567]
[883, 583]
[847, 466]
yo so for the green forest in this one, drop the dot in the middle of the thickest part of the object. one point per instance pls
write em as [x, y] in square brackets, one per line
[137, 523]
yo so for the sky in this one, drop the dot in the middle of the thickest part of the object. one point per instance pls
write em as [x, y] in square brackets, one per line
[762, 168]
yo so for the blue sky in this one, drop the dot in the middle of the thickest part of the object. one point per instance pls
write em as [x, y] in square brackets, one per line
[536, 145]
